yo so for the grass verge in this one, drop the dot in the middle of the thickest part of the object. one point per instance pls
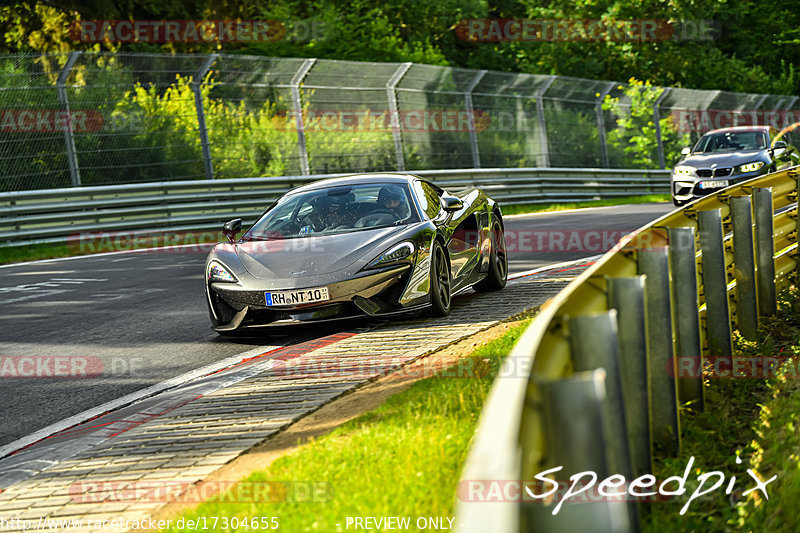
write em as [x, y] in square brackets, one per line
[402, 459]
[521, 209]
[754, 419]
[19, 254]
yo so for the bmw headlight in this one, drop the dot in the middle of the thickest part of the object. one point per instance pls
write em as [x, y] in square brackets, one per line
[684, 170]
[217, 272]
[398, 252]
[751, 167]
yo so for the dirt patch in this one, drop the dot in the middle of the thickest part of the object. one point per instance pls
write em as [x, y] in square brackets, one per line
[334, 414]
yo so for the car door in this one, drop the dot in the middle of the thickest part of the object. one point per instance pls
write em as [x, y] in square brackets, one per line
[461, 230]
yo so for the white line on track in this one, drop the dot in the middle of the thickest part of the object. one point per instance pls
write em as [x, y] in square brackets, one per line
[513, 277]
[128, 399]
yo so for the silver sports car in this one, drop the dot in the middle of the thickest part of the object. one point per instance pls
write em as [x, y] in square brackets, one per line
[374, 244]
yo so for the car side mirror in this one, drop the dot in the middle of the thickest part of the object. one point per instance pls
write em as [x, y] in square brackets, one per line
[231, 228]
[451, 203]
[686, 151]
[780, 145]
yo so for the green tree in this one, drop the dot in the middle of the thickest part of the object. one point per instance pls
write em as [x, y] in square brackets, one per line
[634, 144]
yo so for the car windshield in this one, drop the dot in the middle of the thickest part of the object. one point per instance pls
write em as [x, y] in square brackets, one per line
[333, 210]
[731, 141]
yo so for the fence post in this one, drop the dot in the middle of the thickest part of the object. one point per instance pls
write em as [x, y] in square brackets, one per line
[69, 138]
[197, 82]
[473, 136]
[626, 295]
[683, 264]
[765, 251]
[657, 122]
[601, 123]
[545, 147]
[654, 263]
[391, 95]
[297, 108]
[715, 283]
[744, 260]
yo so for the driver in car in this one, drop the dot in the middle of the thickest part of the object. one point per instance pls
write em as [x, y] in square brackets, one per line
[392, 199]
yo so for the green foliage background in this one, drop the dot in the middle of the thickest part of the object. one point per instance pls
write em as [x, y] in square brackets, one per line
[755, 51]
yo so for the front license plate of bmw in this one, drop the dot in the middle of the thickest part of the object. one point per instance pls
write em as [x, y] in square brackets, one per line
[305, 296]
[718, 184]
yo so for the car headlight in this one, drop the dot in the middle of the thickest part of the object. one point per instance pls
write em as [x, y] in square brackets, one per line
[217, 272]
[684, 170]
[398, 252]
[751, 167]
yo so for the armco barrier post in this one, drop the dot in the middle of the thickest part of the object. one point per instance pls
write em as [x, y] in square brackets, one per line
[744, 266]
[577, 430]
[594, 344]
[683, 264]
[715, 283]
[626, 295]
[765, 251]
[654, 263]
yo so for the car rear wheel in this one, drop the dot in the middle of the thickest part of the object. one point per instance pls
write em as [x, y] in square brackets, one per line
[498, 263]
[440, 281]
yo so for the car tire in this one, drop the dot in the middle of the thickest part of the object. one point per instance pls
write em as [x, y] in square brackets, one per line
[440, 281]
[497, 276]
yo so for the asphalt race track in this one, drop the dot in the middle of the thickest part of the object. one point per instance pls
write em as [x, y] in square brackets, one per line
[137, 319]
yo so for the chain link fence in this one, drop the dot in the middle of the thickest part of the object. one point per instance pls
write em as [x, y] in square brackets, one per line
[86, 118]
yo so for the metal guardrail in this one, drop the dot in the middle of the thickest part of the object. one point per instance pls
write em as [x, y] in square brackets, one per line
[588, 385]
[52, 216]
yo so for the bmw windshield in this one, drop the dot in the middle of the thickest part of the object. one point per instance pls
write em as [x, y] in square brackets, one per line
[731, 141]
[334, 210]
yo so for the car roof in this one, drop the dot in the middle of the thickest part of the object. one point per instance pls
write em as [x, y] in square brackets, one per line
[357, 179]
[740, 128]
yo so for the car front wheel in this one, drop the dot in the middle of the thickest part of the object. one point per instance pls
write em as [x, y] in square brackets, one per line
[440, 281]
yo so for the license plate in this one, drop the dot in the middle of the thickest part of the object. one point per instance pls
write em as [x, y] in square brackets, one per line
[719, 184]
[297, 297]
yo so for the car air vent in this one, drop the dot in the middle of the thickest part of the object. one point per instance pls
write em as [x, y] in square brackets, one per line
[703, 172]
[722, 172]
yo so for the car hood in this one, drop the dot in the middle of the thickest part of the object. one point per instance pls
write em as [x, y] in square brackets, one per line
[725, 159]
[313, 255]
